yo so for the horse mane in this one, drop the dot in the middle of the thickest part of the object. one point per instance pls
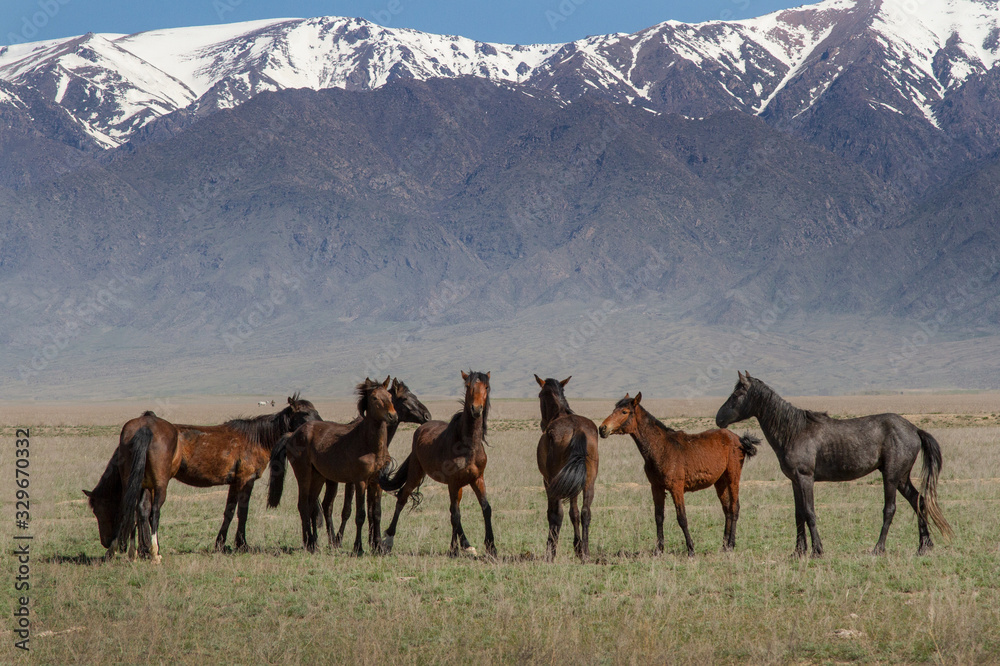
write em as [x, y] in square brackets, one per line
[263, 430]
[558, 395]
[363, 390]
[785, 418]
[110, 485]
[660, 425]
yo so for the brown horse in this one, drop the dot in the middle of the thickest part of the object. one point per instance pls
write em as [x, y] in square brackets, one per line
[567, 459]
[152, 451]
[409, 410]
[677, 462]
[452, 453]
[352, 453]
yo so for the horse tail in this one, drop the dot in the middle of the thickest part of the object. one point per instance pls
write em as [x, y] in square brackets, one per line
[748, 444]
[392, 478]
[276, 481]
[139, 445]
[932, 469]
[573, 475]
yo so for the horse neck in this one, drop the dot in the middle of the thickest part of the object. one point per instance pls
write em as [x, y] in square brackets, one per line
[551, 410]
[647, 436]
[779, 419]
[473, 428]
[391, 432]
[376, 432]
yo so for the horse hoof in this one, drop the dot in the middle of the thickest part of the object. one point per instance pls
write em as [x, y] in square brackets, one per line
[470, 551]
[157, 559]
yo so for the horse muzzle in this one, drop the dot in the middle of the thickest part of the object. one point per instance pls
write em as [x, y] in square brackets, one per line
[604, 431]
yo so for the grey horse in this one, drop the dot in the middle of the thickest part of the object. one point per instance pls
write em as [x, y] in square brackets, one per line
[812, 446]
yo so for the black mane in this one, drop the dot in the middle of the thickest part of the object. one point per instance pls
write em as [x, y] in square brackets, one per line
[110, 485]
[263, 430]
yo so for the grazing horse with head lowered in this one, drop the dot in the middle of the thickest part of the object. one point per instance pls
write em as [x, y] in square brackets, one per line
[568, 460]
[409, 409]
[812, 446]
[352, 453]
[151, 451]
[676, 463]
[452, 453]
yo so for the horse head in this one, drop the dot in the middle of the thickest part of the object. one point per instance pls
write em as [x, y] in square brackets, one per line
[736, 407]
[622, 420]
[408, 407]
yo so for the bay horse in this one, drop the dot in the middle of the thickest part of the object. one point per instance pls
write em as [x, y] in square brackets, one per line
[812, 446]
[409, 409]
[452, 453]
[676, 463]
[152, 451]
[568, 460]
[352, 453]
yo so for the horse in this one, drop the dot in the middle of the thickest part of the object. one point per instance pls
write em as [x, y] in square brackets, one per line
[568, 460]
[152, 451]
[353, 453]
[813, 446]
[677, 462]
[452, 453]
[409, 410]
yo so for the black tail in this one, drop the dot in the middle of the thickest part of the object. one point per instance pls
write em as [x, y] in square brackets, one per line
[276, 482]
[572, 477]
[139, 446]
[932, 469]
[391, 479]
[749, 445]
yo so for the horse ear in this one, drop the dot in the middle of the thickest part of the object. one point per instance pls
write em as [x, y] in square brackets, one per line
[637, 399]
[385, 384]
[395, 383]
[87, 493]
[541, 382]
[565, 381]
[487, 374]
[290, 401]
[744, 380]
[627, 397]
[746, 373]
[465, 377]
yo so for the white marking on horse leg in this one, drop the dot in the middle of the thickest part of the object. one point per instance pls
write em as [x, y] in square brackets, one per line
[155, 549]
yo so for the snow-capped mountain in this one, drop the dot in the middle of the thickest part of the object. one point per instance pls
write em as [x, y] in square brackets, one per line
[907, 57]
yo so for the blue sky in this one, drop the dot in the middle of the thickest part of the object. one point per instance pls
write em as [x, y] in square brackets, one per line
[513, 21]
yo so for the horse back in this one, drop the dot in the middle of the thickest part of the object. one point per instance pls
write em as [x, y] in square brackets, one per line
[163, 457]
[846, 449]
[558, 438]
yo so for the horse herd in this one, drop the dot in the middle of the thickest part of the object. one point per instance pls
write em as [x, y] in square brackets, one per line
[810, 446]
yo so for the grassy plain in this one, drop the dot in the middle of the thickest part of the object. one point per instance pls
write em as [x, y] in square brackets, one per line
[280, 605]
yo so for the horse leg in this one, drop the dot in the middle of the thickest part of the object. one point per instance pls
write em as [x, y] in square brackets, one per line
[555, 515]
[159, 496]
[588, 498]
[913, 497]
[808, 505]
[345, 513]
[359, 519]
[479, 487]
[374, 515]
[457, 533]
[227, 517]
[306, 506]
[677, 494]
[574, 517]
[328, 499]
[413, 481]
[241, 515]
[659, 499]
[723, 488]
[800, 520]
[142, 519]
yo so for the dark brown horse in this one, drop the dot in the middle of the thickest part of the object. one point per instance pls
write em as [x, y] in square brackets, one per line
[409, 410]
[812, 446]
[567, 459]
[352, 453]
[152, 451]
[452, 453]
[677, 462]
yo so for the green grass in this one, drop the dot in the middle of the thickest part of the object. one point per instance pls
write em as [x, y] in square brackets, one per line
[278, 604]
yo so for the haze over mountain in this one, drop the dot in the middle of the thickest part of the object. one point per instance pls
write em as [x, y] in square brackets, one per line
[325, 188]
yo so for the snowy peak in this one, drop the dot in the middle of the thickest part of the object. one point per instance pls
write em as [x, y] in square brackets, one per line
[780, 66]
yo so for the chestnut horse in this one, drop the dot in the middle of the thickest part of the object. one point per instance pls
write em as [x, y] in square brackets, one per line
[677, 462]
[812, 446]
[409, 410]
[352, 453]
[151, 451]
[567, 459]
[452, 453]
